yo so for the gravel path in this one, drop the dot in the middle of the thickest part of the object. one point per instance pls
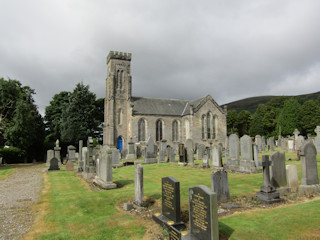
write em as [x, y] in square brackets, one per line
[17, 194]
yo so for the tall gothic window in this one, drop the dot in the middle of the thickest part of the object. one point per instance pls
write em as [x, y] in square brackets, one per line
[119, 79]
[175, 132]
[141, 130]
[214, 131]
[159, 130]
[209, 125]
[203, 127]
[120, 116]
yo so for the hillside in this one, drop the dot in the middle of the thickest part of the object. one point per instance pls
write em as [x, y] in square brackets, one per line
[251, 104]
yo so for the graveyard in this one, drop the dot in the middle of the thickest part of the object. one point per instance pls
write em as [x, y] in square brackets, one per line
[72, 207]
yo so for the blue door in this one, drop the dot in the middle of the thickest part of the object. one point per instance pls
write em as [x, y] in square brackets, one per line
[120, 143]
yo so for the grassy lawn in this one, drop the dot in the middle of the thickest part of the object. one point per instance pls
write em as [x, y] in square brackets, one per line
[5, 172]
[68, 209]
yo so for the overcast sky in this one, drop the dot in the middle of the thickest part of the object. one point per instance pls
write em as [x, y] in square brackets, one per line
[186, 49]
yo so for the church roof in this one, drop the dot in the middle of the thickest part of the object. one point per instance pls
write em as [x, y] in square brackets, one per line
[168, 107]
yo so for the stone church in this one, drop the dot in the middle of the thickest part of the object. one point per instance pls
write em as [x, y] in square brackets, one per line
[134, 119]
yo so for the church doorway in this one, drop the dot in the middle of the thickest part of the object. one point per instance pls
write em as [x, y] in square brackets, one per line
[120, 143]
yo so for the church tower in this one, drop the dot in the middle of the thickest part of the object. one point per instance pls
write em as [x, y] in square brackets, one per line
[117, 101]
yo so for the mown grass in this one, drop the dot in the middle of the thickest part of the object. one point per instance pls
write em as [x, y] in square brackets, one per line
[74, 212]
[5, 172]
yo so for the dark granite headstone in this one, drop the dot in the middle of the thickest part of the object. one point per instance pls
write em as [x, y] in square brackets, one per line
[203, 213]
[182, 153]
[54, 164]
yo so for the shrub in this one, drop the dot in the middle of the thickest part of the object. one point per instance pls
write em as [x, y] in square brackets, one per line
[12, 155]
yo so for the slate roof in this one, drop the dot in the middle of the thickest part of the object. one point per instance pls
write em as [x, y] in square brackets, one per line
[168, 107]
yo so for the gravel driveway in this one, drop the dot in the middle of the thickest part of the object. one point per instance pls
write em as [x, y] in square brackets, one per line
[17, 194]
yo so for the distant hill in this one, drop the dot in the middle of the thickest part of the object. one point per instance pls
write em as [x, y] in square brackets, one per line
[251, 104]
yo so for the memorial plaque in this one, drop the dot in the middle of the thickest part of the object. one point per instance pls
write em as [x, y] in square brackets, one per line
[171, 198]
[203, 213]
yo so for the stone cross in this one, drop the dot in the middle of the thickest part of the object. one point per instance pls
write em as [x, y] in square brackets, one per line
[267, 187]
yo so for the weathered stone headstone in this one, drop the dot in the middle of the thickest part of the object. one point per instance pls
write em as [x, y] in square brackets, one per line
[50, 155]
[216, 156]
[317, 138]
[138, 184]
[57, 149]
[256, 156]
[296, 134]
[190, 151]
[258, 140]
[170, 154]
[200, 151]
[80, 160]
[171, 215]
[300, 142]
[263, 144]
[292, 177]
[309, 169]
[234, 152]
[203, 213]
[150, 155]
[163, 145]
[267, 194]
[246, 163]
[278, 176]
[72, 153]
[104, 175]
[84, 158]
[90, 169]
[116, 155]
[220, 185]
[131, 151]
[70, 166]
[162, 155]
[270, 143]
[54, 165]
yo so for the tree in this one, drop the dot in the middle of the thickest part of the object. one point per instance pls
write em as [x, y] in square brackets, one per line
[232, 122]
[243, 122]
[309, 117]
[21, 124]
[77, 118]
[288, 118]
[257, 127]
[53, 114]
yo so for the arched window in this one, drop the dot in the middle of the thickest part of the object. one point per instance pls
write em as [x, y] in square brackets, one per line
[159, 130]
[120, 116]
[203, 126]
[187, 128]
[141, 130]
[214, 126]
[209, 125]
[175, 132]
[119, 79]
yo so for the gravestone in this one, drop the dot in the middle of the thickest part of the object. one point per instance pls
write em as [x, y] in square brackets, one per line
[138, 184]
[72, 153]
[90, 170]
[70, 166]
[234, 153]
[104, 173]
[171, 215]
[84, 158]
[292, 177]
[80, 161]
[131, 151]
[205, 162]
[116, 155]
[163, 145]
[278, 176]
[267, 194]
[283, 146]
[170, 154]
[203, 213]
[50, 155]
[54, 164]
[200, 151]
[291, 147]
[190, 151]
[258, 140]
[182, 154]
[317, 138]
[263, 144]
[296, 134]
[270, 143]
[256, 156]
[216, 157]
[309, 170]
[150, 155]
[246, 164]
[220, 185]
[300, 142]
[57, 149]
[162, 155]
